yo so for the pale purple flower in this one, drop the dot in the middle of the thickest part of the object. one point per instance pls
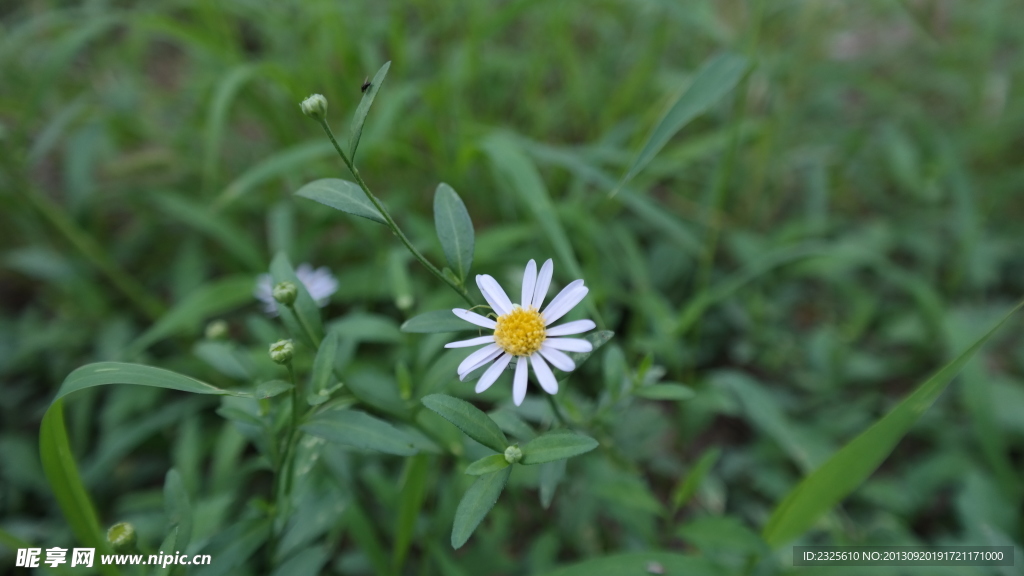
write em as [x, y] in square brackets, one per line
[320, 284]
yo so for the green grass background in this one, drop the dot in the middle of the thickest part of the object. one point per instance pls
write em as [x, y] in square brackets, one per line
[802, 255]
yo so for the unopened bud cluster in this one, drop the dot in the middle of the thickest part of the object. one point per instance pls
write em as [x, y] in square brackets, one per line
[122, 537]
[285, 293]
[315, 107]
[282, 351]
[513, 454]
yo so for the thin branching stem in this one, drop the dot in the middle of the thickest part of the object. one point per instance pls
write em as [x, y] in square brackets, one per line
[390, 221]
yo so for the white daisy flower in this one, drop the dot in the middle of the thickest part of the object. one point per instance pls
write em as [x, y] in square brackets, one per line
[320, 284]
[523, 331]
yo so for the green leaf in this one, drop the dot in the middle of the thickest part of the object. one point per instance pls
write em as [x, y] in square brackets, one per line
[360, 430]
[363, 109]
[854, 463]
[513, 166]
[217, 118]
[303, 318]
[476, 503]
[640, 564]
[209, 300]
[556, 445]
[215, 226]
[551, 474]
[712, 533]
[364, 327]
[468, 418]
[178, 510]
[409, 506]
[487, 464]
[436, 321]
[691, 482]
[341, 195]
[365, 534]
[676, 392]
[597, 339]
[511, 423]
[62, 474]
[228, 358]
[103, 373]
[454, 229]
[271, 388]
[712, 82]
[233, 547]
[323, 364]
[308, 562]
[279, 164]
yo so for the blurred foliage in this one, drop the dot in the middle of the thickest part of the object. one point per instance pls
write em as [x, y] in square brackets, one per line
[801, 255]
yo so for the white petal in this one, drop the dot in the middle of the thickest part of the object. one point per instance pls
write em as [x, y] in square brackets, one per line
[566, 300]
[569, 344]
[490, 358]
[519, 385]
[574, 327]
[557, 358]
[493, 372]
[473, 360]
[470, 342]
[494, 294]
[529, 283]
[544, 375]
[543, 283]
[474, 318]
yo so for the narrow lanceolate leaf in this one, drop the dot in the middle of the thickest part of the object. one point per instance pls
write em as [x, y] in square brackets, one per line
[511, 165]
[551, 474]
[676, 392]
[205, 302]
[308, 562]
[55, 450]
[178, 510]
[280, 164]
[409, 506]
[323, 364]
[359, 118]
[556, 445]
[476, 503]
[103, 373]
[436, 321]
[341, 195]
[66, 483]
[596, 339]
[303, 318]
[271, 388]
[853, 464]
[693, 479]
[487, 464]
[713, 81]
[360, 430]
[454, 229]
[469, 419]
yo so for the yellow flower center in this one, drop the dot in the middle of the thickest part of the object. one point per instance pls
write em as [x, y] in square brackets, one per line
[521, 331]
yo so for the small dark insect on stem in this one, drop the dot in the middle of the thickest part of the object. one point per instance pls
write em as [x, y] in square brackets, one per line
[366, 84]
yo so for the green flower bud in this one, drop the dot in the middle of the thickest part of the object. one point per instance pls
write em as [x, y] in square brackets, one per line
[122, 537]
[285, 293]
[282, 351]
[315, 107]
[217, 330]
[513, 454]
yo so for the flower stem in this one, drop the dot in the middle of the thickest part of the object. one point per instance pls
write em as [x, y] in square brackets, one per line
[390, 221]
[555, 410]
[305, 328]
